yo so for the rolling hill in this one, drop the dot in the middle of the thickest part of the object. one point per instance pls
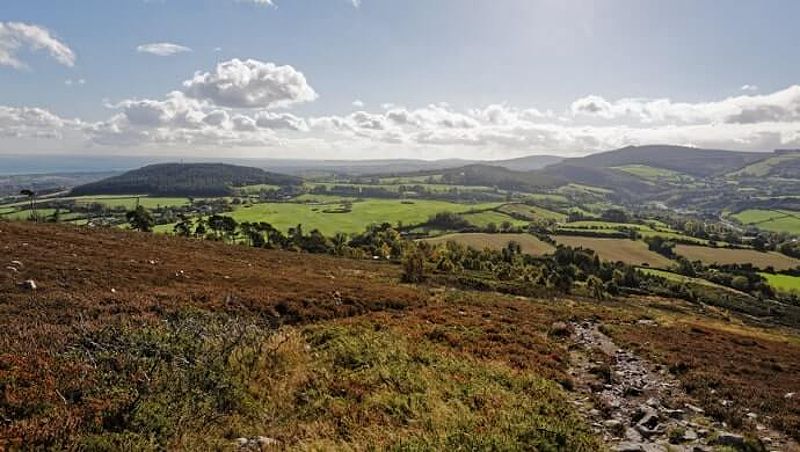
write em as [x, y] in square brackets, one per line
[693, 161]
[179, 179]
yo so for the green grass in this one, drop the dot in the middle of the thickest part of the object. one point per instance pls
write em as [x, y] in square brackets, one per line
[364, 212]
[652, 173]
[764, 167]
[25, 214]
[396, 187]
[129, 202]
[255, 189]
[482, 219]
[783, 283]
[675, 277]
[771, 220]
[533, 212]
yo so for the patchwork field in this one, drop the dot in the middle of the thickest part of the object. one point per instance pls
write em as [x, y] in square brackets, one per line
[532, 212]
[632, 252]
[485, 218]
[529, 243]
[771, 220]
[724, 256]
[783, 283]
[331, 218]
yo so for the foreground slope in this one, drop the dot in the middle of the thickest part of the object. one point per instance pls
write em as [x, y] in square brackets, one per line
[134, 341]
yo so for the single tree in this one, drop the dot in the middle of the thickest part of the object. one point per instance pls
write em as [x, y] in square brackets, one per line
[32, 200]
[140, 219]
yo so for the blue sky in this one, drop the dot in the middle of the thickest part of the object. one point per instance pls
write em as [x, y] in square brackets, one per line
[421, 78]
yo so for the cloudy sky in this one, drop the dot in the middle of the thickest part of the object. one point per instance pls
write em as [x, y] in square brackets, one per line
[385, 79]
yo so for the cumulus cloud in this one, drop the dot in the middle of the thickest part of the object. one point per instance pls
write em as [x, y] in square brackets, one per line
[15, 36]
[30, 122]
[162, 49]
[358, 103]
[780, 106]
[250, 84]
[748, 87]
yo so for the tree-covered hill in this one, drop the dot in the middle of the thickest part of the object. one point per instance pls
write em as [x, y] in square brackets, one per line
[179, 179]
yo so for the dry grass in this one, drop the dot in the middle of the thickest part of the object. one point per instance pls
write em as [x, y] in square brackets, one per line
[631, 252]
[719, 361]
[725, 256]
[477, 240]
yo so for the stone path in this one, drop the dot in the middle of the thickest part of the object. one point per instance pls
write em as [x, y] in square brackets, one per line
[639, 406]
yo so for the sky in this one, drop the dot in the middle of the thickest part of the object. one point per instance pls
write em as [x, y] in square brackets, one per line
[367, 79]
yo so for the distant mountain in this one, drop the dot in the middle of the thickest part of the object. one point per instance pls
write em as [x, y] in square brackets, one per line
[693, 161]
[528, 163]
[184, 179]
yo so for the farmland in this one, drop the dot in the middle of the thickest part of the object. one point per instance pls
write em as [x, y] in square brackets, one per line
[631, 252]
[783, 283]
[530, 244]
[771, 220]
[709, 255]
[531, 212]
[485, 218]
[331, 218]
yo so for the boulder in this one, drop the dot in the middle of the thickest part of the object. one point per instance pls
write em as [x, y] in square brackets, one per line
[28, 284]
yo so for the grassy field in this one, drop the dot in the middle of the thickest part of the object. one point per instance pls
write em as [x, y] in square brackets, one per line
[764, 167]
[483, 219]
[651, 172]
[632, 252]
[771, 220]
[783, 283]
[723, 256]
[255, 189]
[532, 212]
[331, 218]
[396, 187]
[529, 243]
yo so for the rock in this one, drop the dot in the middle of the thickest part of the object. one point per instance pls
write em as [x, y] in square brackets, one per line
[28, 284]
[729, 439]
[752, 415]
[690, 435]
[241, 442]
[629, 447]
[12, 269]
[696, 409]
[632, 435]
[265, 441]
[788, 395]
[16, 264]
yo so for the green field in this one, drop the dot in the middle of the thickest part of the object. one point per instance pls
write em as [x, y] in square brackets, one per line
[364, 212]
[783, 283]
[255, 189]
[401, 187]
[652, 173]
[675, 277]
[483, 219]
[528, 243]
[532, 212]
[771, 220]
[764, 167]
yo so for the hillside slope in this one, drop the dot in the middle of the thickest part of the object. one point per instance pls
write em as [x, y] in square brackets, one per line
[693, 161]
[140, 342]
[183, 179]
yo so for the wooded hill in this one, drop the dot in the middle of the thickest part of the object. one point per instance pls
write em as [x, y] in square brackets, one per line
[179, 179]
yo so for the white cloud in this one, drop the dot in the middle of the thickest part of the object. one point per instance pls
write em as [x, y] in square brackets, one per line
[15, 36]
[358, 103]
[79, 82]
[250, 84]
[30, 122]
[780, 106]
[747, 87]
[162, 49]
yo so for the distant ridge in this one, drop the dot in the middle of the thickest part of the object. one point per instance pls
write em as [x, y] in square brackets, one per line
[693, 161]
[184, 179]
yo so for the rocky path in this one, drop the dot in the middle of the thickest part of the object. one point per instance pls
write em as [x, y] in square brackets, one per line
[639, 406]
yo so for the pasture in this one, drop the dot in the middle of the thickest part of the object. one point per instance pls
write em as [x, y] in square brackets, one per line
[485, 218]
[631, 252]
[532, 212]
[331, 218]
[723, 256]
[771, 220]
[529, 243]
[783, 283]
